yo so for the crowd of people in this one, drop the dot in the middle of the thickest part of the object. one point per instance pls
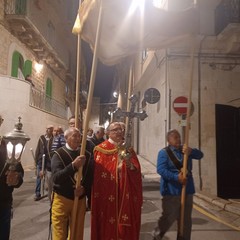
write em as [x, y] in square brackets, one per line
[110, 185]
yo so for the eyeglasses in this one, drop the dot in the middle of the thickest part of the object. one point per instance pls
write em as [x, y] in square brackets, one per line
[115, 130]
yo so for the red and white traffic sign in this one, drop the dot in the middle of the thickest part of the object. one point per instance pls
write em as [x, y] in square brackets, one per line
[180, 105]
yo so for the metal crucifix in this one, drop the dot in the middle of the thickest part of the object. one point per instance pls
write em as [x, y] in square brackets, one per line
[151, 95]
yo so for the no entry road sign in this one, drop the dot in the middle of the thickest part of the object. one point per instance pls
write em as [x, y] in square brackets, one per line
[180, 105]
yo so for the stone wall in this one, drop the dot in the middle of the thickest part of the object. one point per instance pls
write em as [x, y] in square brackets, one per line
[216, 81]
[14, 100]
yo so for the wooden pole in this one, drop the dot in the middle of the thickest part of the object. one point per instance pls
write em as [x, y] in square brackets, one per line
[119, 102]
[185, 159]
[43, 177]
[78, 78]
[130, 84]
[88, 112]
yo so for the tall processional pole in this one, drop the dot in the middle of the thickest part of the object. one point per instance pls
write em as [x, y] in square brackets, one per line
[87, 117]
[78, 76]
[186, 137]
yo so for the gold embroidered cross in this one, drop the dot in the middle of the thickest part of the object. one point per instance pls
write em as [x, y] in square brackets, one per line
[112, 220]
[104, 175]
[111, 198]
[125, 217]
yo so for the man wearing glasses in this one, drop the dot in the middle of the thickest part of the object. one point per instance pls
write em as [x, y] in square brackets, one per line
[116, 190]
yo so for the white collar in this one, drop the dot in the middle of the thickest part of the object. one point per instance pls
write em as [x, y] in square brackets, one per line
[69, 148]
[112, 142]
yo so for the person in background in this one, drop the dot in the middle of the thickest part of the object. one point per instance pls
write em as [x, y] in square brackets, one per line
[97, 137]
[65, 163]
[28, 78]
[60, 130]
[89, 133]
[57, 134]
[44, 148]
[72, 123]
[169, 164]
[60, 140]
[55, 131]
[9, 179]
[117, 190]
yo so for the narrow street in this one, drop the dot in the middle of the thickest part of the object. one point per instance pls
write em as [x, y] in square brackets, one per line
[31, 219]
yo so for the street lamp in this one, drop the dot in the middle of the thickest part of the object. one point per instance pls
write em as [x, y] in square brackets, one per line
[115, 94]
[15, 142]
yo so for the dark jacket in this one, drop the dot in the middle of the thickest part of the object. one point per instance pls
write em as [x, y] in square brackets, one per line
[44, 147]
[5, 190]
[96, 141]
[63, 172]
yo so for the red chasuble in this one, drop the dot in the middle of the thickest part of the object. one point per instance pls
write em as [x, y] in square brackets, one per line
[116, 196]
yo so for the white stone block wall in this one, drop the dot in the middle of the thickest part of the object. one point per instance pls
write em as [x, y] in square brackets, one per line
[152, 130]
[217, 86]
[14, 103]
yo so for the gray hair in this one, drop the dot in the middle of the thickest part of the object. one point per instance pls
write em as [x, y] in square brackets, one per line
[171, 132]
[69, 131]
[123, 125]
[110, 124]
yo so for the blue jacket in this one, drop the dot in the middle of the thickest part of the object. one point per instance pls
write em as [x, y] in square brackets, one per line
[169, 184]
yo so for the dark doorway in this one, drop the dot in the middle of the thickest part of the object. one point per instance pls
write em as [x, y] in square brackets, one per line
[228, 151]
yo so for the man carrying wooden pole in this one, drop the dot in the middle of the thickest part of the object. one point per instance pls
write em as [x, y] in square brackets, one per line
[83, 145]
[116, 44]
[174, 164]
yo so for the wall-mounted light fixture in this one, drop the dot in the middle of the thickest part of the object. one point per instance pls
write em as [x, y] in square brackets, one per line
[38, 67]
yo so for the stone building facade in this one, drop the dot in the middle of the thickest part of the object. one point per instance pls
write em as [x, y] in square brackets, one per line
[36, 40]
[215, 96]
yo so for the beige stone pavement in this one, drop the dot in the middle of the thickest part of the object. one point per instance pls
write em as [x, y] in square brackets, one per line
[226, 211]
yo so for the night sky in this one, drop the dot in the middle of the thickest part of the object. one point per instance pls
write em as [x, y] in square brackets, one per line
[104, 75]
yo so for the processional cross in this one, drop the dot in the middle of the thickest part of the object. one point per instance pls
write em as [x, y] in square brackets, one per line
[151, 96]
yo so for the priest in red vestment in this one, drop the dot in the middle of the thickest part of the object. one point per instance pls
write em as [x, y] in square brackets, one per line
[116, 191]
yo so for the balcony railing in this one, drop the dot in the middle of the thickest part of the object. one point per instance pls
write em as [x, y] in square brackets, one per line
[37, 33]
[228, 11]
[18, 7]
[38, 99]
